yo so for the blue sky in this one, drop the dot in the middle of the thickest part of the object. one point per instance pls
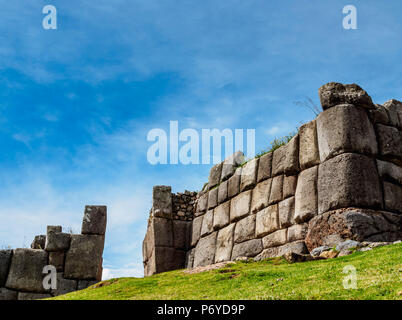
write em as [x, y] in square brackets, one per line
[76, 103]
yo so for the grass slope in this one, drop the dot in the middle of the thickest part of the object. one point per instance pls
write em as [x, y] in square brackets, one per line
[379, 274]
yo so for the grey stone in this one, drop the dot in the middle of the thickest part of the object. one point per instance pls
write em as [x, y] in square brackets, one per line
[83, 284]
[296, 247]
[39, 242]
[365, 249]
[5, 261]
[215, 175]
[240, 206]
[94, 221]
[205, 251]
[224, 244]
[6, 294]
[297, 232]
[56, 259]
[234, 183]
[306, 195]
[26, 270]
[389, 141]
[379, 115]
[196, 234]
[286, 212]
[57, 241]
[293, 257]
[308, 153]
[289, 186]
[249, 248]
[267, 221]
[275, 239]
[84, 259]
[148, 243]
[207, 223]
[276, 189]
[245, 229]
[332, 94]
[181, 234]
[348, 244]
[54, 229]
[222, 215]
[163, 230]
[286, 158]
[223, 192]
[389, 171]
[394, 108]
[33, 296]
[202, 203]
[348, 180]
[264, 167]
[162, 201]
[190, 259]
[317, 251]
[64, 285]
[167, 259]
[266, 254]
[392, 197]
[260, 195]
[345, 128]
[249, 175]
[212, 198]
[230, 164]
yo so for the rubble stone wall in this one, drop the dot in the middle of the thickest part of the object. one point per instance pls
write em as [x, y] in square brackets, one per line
[340, 177]
[77, 259]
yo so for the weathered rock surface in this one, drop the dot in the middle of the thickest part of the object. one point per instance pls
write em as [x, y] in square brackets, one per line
[205, 251]
[207, 223]
[181, 234]
[276, 189]
[5, 261]
[57, 241]
[260, 195]
[230, 164]
[286, 158]
[221, 215]
[56, 259]
[392, 197]
[249, 248]
[39, 242]
[94, 221]
[297, 232]
[308, 154]
[394, 109]
[240, 206]
[275, 239]
[234, 183]
[267, 221]
[162, 201]
[264, 167]
[224, 244]
[389, 141]
[163, 230]
[332, 94]
[249, 175]
[215, 175]
[348, 244]
[6, 294]
[196, 232]
[64, 285]
[286, 212]
[202, 203]
[245, 229]
[289, 186]
[223, 192]
[33, 296]
[306, 195]
[212, 198]
[389, 171]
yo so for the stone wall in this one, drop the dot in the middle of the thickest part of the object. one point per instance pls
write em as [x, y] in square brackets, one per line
[339, 178]
[77, 259]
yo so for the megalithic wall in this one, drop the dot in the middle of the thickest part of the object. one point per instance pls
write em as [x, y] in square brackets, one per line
[339, 177]
[77, 259]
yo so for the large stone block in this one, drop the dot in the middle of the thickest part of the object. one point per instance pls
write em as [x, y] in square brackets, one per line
[345, 128]
[6, 294]
[394, 109]
[224, 244]
[162, 201]
[267, 221]
[309, 155]
[202, 203]
[205, 251]
[332, 94]
[275, 239]
[306, 195]
[298, 247]
[163, 230]
[348, 180]
[56, 259]
[57, 241]
[234, 183]
[215, 175]
[64, 285]
[245, 229]
[392, 197]
[249, 248]
[249, 175]
[379, 115]
[94, 221]
[167, 259]
[222, 215]
[190, 259]
[240, 206]
[297, 232]
[389, 171]
[289, 186]
[212, 198]
[223, 192]
[181, 234]
[230, 164]
[148, 243]
[286, 158]
[26, 270]
[5, 261]
[33, 296]
[333, 227]
[260, 196]
[83, 284]
[84, 259]
[207, 223]
[389, 141]
[39, 242]
[276, 189]
[286, 212]
[196, 232]
[264, 167]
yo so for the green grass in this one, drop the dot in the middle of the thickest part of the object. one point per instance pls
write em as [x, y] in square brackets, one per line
[379, 275]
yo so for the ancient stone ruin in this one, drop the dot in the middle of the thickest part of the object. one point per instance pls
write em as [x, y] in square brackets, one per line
[77, 259]
[339, 178]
